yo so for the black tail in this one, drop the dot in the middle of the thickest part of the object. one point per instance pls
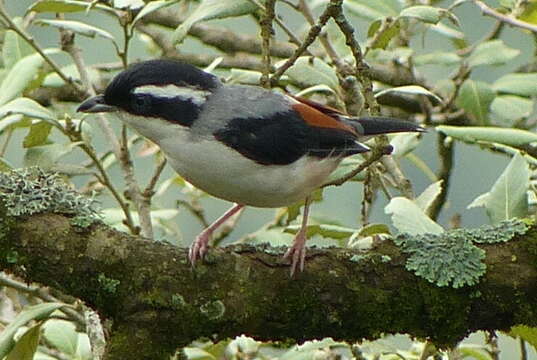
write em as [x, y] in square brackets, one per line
[382, 125]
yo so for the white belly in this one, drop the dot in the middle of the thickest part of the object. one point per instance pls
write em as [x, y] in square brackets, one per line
[224, 173]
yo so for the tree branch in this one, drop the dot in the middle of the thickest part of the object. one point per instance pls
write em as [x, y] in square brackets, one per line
[159, 303]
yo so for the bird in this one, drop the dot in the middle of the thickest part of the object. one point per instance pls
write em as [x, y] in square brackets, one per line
[242, 143]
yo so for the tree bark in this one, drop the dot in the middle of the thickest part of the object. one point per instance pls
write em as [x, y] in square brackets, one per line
[157, 302]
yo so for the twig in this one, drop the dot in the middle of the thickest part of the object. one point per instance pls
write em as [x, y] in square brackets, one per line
[401, 181]
[195, 210]
[376, 154]
[361, 68]
[523, 350]
[133, 189]
[222, 38]
[313, 33]
[446, 152]
[504, 18]
[149, 190]
[266, 34]
[286, 30]
[43, 294]
[323, 38]
[68, 44]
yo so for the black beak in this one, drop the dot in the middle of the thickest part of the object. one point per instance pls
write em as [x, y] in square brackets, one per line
[95, 104]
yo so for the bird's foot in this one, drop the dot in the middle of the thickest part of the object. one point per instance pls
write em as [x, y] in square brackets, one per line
[199, 247]
[297, 253]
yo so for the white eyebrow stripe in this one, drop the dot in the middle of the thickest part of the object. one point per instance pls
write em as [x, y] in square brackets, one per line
[197, 96]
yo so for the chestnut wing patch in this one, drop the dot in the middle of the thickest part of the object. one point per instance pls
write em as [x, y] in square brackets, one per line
[284, 138]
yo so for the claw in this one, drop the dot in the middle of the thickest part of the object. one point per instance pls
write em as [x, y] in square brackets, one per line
[199, 247]
[297, 251]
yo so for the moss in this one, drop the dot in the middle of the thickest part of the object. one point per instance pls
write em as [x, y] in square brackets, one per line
[107, 284]
[452, 258]
[30, 191]
[178, 301]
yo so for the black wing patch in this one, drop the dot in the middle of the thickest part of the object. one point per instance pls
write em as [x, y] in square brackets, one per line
[284, 138]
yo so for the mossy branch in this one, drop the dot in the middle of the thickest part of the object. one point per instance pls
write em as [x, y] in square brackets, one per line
[157, 302]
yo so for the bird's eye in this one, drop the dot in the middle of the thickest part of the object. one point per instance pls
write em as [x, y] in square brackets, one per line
[141, 104]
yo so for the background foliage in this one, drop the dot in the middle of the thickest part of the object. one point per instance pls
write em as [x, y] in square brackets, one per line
[464, 69]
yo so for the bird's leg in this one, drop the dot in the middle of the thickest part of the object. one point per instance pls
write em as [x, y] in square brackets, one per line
[297, 251]
[199, 246]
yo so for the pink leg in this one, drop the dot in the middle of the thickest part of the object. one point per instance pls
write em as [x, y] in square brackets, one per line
[297, 251]
[199, 246]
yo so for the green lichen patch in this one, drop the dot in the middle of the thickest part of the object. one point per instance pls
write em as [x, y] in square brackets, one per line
[451, 258]
[29, 191]
[503, 232]
[213, 309]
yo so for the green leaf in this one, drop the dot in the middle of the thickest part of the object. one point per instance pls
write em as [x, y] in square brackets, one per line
[152, 7]
[325, 230]
[474, 134]
[508, 197]
[456, 36]
[128, 4]
[426, 14]
[66, 6]
[310, 349]
[526, 333]
[193, 353]
[508, 3]
[475, 98]
[76, 27]
[523, 84]
[62, 335]
[469, 352]
[373, 229]
[21, 75]
[54, 80]
[510, 108]
[26, 346]
[315, 88]
[428, 196]
[410, 90]
[5, 165]
[493, 52]
[437, 58]
[213, 9]
[408, 218]
[372, 10]
[382, 40]
[14, 48]
[27, 107]
[36, 312]
[275, 237]
[530, 13]
[240, 76]
[311, 71]
[403, 144]
[37, 135]
[46, 156]
[479, 201]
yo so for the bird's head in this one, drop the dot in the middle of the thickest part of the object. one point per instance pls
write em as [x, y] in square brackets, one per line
[166, 89]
